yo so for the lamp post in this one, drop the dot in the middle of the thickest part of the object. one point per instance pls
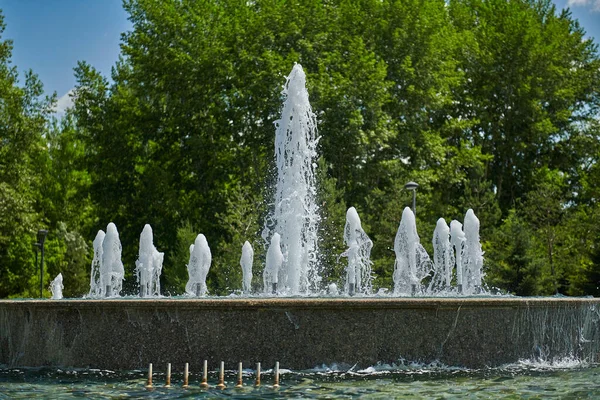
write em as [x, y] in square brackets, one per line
[36, 247]
[413, 186]
[41, 238]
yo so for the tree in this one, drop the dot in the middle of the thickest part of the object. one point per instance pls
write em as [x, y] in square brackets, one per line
[483, 102]
[24, 113]
[67, 207]
[530, 75]
[508, 259]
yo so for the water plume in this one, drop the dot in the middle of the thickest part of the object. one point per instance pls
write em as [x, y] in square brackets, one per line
[472, 255]
[96, 262]
[246, 263]
[412, 261]
[56, 287]
[148, 266]
[443, 259]
[296, 214]
[112, 271]
[198, 267]
[358, 271]
[457, 238]
[273, 265]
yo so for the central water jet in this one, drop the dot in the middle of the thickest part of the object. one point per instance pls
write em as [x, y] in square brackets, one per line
[295, 217]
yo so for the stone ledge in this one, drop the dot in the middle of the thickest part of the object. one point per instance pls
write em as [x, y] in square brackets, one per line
[299, 332]
[308, 302]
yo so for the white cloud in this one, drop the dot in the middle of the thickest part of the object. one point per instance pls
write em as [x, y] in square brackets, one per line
[64, 102]
[594, 5]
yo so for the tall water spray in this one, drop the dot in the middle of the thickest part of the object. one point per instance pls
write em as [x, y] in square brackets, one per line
[148, 266]
[273, 265]
[112, 271]
[246, 263]
[198, 267]
[96, 262]
[443, 259]
[472, 255]
[358, 271]
[457, 238]
[296, 216]
[412, 262]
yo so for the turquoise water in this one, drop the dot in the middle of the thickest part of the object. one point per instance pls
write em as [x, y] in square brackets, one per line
[564, 380]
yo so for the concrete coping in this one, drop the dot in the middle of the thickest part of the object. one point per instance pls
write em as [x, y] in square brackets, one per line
[310, 302]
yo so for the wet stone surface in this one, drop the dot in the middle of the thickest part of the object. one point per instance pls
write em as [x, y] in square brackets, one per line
[297, 332]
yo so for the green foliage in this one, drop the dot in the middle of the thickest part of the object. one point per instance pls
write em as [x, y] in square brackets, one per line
[508, 263]
[23, 112]
[487, 104]
[174, 281]
[583, 251]
[331, 229]
[529, 75]
[68, 252]
[244, 208]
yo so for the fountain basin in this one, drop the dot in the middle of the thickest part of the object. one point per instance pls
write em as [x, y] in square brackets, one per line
[300, 333]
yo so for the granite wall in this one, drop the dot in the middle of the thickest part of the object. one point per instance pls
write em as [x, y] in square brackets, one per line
[298, 332]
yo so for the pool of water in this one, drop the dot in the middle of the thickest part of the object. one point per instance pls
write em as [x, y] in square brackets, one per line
[525, 380]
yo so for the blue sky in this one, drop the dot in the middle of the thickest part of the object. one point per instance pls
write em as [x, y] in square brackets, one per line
[50, 36]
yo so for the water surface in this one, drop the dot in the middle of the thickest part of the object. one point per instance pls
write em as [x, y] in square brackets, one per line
[525, 380]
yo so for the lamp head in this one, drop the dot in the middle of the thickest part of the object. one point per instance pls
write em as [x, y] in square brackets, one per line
[41, 236]
[411, 185]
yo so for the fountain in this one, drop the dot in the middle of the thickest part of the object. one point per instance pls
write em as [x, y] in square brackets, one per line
[149, 265]
[246, 263]
[291, 262]
[301, 332]
[198, 266]
[358, 271]
[56, 287]
[296, 214]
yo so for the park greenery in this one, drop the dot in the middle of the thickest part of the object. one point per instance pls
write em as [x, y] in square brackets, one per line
[488, 104]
